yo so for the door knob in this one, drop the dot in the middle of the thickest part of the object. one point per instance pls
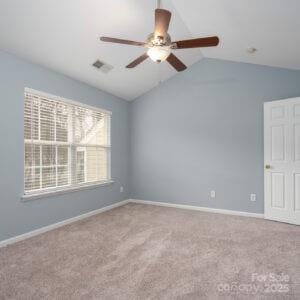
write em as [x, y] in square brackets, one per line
[268, 167]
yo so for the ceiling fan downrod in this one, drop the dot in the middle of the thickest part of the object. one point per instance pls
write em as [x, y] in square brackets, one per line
[158, 3]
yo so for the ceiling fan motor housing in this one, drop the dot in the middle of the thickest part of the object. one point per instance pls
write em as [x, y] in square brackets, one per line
[154, 40]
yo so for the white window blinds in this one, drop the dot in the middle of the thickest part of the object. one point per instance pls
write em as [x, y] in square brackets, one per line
[67, 144]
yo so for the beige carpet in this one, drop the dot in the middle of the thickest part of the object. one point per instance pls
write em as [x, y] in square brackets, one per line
[150, 252]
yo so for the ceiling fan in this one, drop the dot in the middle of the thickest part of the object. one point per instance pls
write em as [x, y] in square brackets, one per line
[160, 45]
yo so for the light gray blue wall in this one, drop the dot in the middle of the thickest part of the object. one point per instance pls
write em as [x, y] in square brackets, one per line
[17, 217]
[203, 130]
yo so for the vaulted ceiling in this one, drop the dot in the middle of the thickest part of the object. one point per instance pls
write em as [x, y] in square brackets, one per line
[63, 35]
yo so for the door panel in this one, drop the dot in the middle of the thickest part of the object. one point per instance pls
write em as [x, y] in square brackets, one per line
[282, 160]
[297, 191]
[277, 194]
[278, 148]
[297, 110]
[277, 112]
[297, 141]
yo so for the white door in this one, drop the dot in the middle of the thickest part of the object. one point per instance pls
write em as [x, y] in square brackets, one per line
[282, 160]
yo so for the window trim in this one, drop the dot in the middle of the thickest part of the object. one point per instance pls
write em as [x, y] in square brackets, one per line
[48, 192]
[65, 190]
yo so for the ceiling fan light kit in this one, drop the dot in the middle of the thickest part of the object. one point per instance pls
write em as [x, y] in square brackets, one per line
[159, 53]
[160, 45]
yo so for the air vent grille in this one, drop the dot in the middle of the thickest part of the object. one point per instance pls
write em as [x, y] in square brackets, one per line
[98, 64]
[105, 68]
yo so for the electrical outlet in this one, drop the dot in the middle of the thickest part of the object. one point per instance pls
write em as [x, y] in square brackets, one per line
[253, 197]
[212, 194]
[121, 189]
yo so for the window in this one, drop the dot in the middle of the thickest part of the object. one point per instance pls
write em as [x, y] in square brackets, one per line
[67, 144]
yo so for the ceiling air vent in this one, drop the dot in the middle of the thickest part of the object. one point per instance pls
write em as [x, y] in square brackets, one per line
[100, 65]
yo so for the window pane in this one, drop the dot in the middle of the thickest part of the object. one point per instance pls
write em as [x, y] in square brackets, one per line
[96, 164]
[62, 112]
[102, 164]
[91, 164]
[62, 155]
[31, 119]
[102, 135]
[62, 176]
[90, 127]
[48, 155]
[80, 165]
[48, 177]
[79, 115]
[47, 117]
[32, 179]
[32, 155]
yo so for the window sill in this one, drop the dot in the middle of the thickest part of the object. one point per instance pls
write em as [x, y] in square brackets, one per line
[56, 192]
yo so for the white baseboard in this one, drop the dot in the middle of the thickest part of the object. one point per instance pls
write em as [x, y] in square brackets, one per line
[200, 208]
[38, 231]
[27, 235]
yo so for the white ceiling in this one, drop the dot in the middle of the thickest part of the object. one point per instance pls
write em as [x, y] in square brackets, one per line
[63, 35]
[271, 26]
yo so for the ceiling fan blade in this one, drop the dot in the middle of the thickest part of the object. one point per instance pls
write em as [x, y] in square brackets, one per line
[120, 41]
[162, 21]
[138, 61]
[195, 43]
[176, 63]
